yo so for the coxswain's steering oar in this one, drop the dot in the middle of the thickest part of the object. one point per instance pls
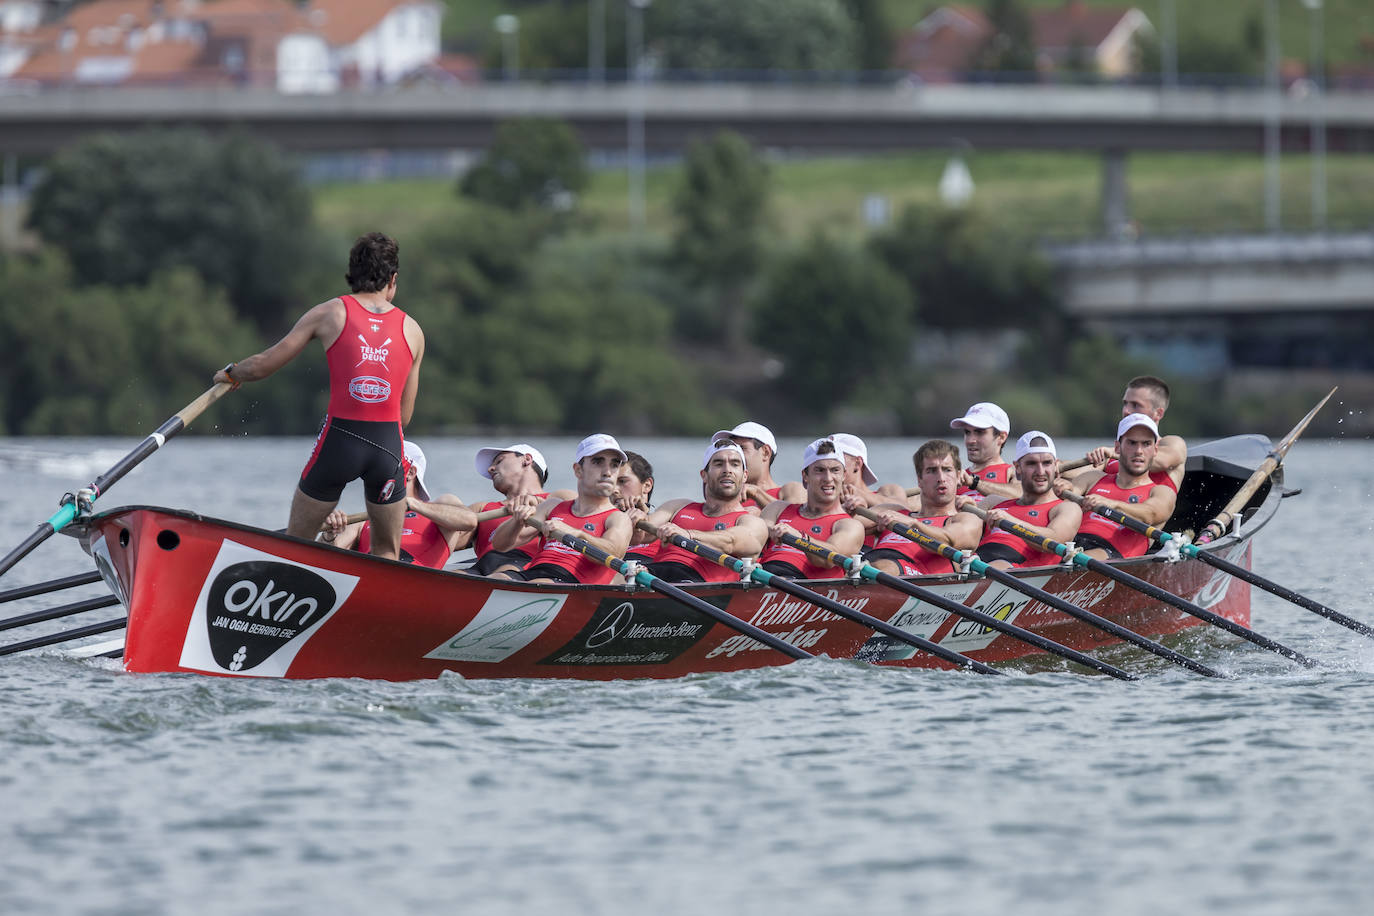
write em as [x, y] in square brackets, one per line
[64, 636]
[1226, 566]
[1222, 521]
[73, 504]
[1079, 558]
[782, 584]
[643, 577]
[978, 567]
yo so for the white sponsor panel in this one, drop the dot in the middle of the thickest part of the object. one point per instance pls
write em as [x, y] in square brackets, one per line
[256, 610]
[507, 623]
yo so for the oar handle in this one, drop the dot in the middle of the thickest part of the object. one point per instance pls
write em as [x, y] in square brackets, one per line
[1121, 518]
[1073, 465]
[498, 512]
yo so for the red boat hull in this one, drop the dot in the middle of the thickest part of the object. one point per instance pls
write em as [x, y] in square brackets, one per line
[216, 598]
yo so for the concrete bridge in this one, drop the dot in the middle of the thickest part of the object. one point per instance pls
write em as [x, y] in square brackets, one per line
[815, 117]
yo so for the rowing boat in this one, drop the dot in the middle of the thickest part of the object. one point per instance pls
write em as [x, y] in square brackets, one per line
[209, 596]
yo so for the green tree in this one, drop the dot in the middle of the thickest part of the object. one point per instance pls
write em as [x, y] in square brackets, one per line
[803, 35]
[873, 33]
[968, 273]
[532, 162]
[125, 206]
[1010, 48]
[837, 317]
[722, 215]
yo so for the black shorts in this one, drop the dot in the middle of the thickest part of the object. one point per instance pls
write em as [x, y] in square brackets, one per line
[887, 553]
[542, 571]
[786, 570]
[990, 552]
[489, 561]
[348, 450]
[1097, 542]
[674, 572]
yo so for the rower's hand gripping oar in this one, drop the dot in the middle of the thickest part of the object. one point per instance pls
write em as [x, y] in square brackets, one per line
[499, 512]
[1049, 545]
[645, 578]
[74, 504]
[1222, 521]
[980, 568]
[782, 584]
[1226, 566]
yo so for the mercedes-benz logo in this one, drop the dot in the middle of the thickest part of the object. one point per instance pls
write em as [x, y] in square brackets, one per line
[610, 628]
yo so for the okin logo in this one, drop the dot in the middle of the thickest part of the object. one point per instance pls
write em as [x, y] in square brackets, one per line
[257, 607]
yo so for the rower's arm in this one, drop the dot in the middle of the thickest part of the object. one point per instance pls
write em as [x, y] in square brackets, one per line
[746, 538]
[1155, 510]
[516, 529]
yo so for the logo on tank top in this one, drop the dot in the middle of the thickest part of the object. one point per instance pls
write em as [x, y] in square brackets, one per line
[719, 526]
[370, 354]
[815, 529]
[1135, 498]
[369, 389]
[1034, 513]
[589, 527]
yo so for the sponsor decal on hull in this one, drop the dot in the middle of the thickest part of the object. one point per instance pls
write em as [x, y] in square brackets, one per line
[255, 612]
[507, 623]
[634, 631]
[963, 635]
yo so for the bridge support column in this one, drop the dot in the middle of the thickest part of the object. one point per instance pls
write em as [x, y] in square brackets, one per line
[1116, 216]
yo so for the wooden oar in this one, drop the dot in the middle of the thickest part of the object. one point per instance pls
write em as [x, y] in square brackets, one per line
[978, 567]
[74, 504]
[643, 577]
[783, 584]
[1079, 558]
[1063, 466]
[66, 610]
[52, 585]
[1240, 572]
[1222, 521]
[64, 636]
[498, 512]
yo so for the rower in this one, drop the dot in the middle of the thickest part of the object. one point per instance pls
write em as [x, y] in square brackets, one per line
[590, 516]
[513, 470]
[423, 541]
[937, 478]
[1148, 395]
[634, 493]
[760, 449]
[1132, 491]
[859, 480]
[986, 427]
[720, 520]
[821, 519]
[1038, 508]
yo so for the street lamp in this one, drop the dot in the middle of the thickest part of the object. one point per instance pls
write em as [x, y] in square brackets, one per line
[1318, 144]
[509, 28]
[1272, 214]
[634, 49]
[596, 41]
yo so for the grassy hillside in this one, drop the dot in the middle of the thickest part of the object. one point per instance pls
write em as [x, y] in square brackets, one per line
[1048, 194]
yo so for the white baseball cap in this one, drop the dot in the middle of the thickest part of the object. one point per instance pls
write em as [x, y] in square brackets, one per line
[416, 457]
[485, 456]
[718, 445]
[984, 415]
[597, 443]
[749, 430]
[1132, 420]
[853, 445]
[1024, 447]
[814, 454]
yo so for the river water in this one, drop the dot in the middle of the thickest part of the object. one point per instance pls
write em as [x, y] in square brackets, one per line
[818, 787]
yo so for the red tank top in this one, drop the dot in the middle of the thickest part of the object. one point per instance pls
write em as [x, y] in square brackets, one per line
[753, 504]
[368, 364]
[918, 556]
[1113, 467]
[817, 529]
[420, 537]
[1126, 541]
[556, 553]
[481, 541]
[997, 473]
[1037, 515]
[693, 517]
